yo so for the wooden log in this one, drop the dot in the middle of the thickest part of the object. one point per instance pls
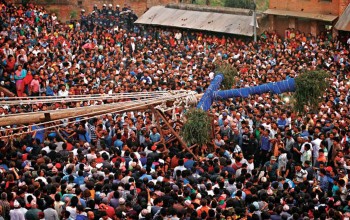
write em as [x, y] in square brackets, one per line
[37, 117]
[170, 140]
[66, 113]
[193, 146]
[7, 92]
[177, 135]
[158, 125]
[212, 125]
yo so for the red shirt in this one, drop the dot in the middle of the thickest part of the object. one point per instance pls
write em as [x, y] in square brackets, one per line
[28, 79]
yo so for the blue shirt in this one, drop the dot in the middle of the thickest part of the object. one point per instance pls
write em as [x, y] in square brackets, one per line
[154, 137]
[281, 123]
[265, 143]
[324, 183]
[149, 177]
[49, 91]
[79, 180]
[189, 164]
[40, 133]
[119, 144]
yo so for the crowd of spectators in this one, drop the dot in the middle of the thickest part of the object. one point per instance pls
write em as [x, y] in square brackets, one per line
[265, 161]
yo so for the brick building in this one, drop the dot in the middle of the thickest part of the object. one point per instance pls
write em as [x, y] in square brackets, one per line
[68, 8]
[308, 16]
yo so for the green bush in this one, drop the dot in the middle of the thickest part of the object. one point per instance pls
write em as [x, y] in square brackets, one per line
[229, 73]
[197, 127]
[310, 86]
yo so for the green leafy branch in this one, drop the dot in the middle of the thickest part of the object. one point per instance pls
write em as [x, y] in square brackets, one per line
[229, 73]
[310, 86]
[197, 128]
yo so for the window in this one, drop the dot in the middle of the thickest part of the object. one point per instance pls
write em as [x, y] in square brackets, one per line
[80, 3]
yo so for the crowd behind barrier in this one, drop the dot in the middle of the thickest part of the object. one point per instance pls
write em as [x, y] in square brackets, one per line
[265, 161]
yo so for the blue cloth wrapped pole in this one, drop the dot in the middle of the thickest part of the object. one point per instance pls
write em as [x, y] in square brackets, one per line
[287, 85]
[207, 99]
[212, 92]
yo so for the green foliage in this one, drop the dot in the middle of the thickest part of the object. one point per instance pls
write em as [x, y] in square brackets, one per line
[197, 128]
[310, 87]
[247, 4]
[73, 14]
[229, 73]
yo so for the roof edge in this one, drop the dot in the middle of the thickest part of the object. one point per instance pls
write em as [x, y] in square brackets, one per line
[205, 8]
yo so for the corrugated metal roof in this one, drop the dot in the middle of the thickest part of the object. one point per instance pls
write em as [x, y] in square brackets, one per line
[300, 14]
[207, 21]
[343, 23]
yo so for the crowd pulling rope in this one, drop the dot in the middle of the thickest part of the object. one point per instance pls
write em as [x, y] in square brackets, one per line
[128, 106]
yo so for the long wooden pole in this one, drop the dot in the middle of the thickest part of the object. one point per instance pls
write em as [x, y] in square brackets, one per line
[176, 134]
[158, 125]
[37, 117]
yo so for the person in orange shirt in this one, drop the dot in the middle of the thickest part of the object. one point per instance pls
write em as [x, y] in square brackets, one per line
[321, 157]
[203, 208]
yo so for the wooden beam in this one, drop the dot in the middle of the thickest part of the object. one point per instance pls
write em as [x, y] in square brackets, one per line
[158, 125]
[193, 146]
[117, 107]
[170, 140]
[37, 117]
[7, 92]
[176, 135]
[211, 116]
[47, 117]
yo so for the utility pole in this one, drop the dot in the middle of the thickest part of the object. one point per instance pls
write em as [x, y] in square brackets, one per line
[254, 17]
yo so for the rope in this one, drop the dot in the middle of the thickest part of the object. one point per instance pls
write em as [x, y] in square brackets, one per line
[87, 98]
[133, 106]
[84, 96]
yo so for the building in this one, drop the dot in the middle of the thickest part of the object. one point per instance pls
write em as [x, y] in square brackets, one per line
[308, 16]
[67, 9]
[343, 23]
[201, 18]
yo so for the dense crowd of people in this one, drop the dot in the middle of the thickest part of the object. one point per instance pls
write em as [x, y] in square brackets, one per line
[265, 162]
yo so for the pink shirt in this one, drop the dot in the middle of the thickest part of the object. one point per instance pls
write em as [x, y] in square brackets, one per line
[35, 85]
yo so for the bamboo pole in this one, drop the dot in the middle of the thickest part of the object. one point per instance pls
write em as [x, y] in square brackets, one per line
[6, 92]
[37, 117]
[212, 116]
[158, 125]
[170, 140]
[193, 146]
[176, 135]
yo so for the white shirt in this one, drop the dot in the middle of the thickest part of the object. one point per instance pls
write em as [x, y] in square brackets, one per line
[301, 175]
[16, 214]
[250, 167]
[316, 146]
[63, 93]
[73, 212]
[182, 168]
